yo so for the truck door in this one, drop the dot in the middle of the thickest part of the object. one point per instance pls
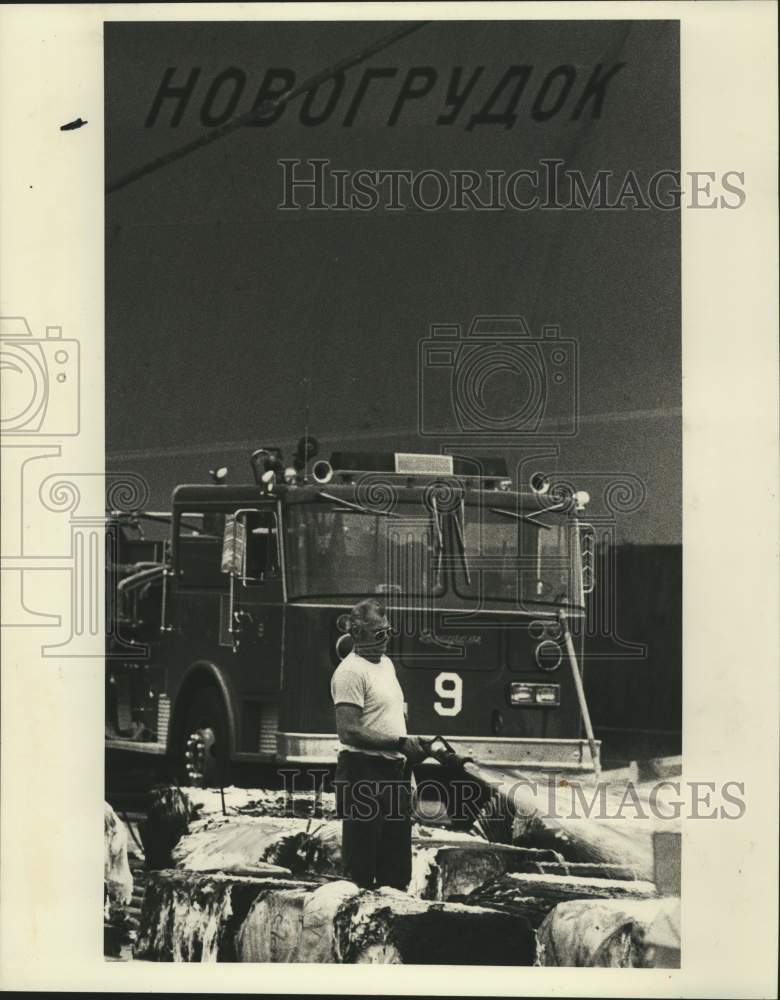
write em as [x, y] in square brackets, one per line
[256, 623]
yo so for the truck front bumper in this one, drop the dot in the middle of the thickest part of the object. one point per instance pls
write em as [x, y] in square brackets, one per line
[537, 754]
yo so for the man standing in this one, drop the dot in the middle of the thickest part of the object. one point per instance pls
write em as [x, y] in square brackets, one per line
[373, 792]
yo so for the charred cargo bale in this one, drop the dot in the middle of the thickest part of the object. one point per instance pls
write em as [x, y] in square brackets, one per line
[118, 924]
[575, 817]
[168, 816]
[116, 868]
[303, 852]
[200, 917]
[318, 930]
[338, 922]
[612, 933]
[389, 927]
[443, 871]
[272, 929]
[241, 842]
[581, 870]
[301, 803]
[535, 895]
[194, 917]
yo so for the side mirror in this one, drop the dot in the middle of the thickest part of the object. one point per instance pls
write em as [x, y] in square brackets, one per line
[233, 545]
[233, 553]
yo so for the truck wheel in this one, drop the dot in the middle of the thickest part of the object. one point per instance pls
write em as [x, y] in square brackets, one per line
[205, 719]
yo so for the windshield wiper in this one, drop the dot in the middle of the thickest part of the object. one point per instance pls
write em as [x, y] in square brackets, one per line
[459, 524]
[439, 540]
[528, 518]
[356, 506]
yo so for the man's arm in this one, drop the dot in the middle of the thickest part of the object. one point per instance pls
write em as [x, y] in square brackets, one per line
[351, 730]
[349, 726]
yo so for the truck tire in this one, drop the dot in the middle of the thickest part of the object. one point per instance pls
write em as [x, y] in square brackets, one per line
[205, 716]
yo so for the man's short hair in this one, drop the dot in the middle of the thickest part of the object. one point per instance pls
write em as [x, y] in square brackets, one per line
[364, 610]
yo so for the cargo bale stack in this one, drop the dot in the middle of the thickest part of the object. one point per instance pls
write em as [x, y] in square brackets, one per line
[612, 933]
[390, 927]
[535, 895]
[118, 922]
[441, 871]
[194, 917]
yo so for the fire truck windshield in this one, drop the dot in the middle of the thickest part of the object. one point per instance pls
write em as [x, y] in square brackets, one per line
[337, 551]
[506, 562]
[512, 561]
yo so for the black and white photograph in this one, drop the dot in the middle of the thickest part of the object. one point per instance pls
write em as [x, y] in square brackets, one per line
[384, 564]
[393, 357]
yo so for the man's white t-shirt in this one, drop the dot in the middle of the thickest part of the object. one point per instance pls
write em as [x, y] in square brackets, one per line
[374, 688]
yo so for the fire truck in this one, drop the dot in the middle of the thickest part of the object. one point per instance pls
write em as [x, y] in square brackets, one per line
[229, 613]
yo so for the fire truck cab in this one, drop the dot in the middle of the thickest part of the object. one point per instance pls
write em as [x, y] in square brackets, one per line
[233, 620]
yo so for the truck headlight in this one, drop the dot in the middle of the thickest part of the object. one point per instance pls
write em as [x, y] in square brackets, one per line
[547, 695]
[521, 694]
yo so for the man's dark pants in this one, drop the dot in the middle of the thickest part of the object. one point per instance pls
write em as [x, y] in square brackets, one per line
[373, 799]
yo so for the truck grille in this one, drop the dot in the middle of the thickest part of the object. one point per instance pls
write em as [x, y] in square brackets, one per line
[163, 718]
[267, 729]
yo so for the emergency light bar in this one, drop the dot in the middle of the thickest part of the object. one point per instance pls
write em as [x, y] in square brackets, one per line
[404, 463]
[268, 467]
[411, 464]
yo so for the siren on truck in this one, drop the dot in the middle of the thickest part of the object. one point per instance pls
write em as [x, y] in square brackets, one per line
[322, 471]
[266, 464]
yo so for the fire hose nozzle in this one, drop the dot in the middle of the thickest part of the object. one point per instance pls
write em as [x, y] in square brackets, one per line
[445, 753]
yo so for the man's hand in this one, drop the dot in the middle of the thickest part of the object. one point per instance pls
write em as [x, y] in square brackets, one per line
[413, 749]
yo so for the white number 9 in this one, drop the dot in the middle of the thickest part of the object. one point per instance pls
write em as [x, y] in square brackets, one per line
[449, 687]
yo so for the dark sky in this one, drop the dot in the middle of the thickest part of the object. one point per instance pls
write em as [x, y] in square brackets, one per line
[219, 304]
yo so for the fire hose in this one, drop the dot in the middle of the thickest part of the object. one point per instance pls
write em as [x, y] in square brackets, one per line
[491, 813]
